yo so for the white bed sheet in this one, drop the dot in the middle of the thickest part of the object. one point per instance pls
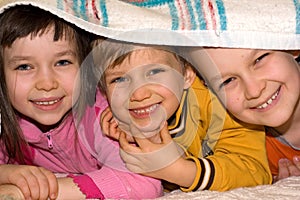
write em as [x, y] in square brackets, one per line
[285, 189]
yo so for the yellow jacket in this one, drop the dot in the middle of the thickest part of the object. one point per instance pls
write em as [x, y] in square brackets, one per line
[231, 154]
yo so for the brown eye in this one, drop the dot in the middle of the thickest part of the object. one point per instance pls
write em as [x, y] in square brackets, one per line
[226, 82]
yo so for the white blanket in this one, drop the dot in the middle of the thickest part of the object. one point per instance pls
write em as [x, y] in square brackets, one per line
[286, 189]
[268, 24]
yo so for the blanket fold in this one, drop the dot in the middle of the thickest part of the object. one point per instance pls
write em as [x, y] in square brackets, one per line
[269, 24]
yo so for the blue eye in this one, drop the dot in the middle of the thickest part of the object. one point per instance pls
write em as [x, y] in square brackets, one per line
[118, 80]
[23, 67]
[156, 71]
[63, 63]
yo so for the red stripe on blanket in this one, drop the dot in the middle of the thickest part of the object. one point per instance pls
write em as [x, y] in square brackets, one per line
[95, 11]
[212, 15]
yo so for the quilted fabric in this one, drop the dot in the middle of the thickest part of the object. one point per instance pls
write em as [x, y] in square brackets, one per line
[268, 24]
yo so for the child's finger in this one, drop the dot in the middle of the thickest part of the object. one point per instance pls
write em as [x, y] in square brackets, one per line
[106, 116]
[283, 168]
[34, 187]
[113, 129]
[142, 141]
[24, 187]
[126, 146]
[107, 126]
[145, 144]
[165, 135]
[52, 182]
[293, 168]
[296, 160]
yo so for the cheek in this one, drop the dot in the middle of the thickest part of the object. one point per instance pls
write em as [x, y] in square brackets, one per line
[233, 104]
[75, 90]
[116, 96]
[171, 100]
[16, 88]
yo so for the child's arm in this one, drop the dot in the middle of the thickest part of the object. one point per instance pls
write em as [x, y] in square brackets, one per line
[9, 191]
[239, 152]
[164, 160]
[67, 190]
[34, 182]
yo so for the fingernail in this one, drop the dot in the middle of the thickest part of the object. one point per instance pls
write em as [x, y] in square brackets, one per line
[53, 196]
[296, 158]
[284, 161]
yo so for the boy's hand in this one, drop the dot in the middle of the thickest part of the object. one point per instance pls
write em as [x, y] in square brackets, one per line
[150, 157]
[9, 191]
[288, 168]
[34, 182]
[110, 126]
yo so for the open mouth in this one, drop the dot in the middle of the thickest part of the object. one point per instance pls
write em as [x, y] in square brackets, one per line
[145, 111]
[269, 101]
[46, 103]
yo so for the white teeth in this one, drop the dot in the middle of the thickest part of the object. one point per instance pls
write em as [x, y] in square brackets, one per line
[147, 110]
[269, 101]
[46, 102]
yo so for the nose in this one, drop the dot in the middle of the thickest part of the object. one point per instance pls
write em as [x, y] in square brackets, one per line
[141, 93]
[46, 79]
[254, 87]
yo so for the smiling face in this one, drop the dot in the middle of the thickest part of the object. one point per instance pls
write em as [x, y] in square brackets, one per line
[145, 89]
[261, 86]
[41, 76]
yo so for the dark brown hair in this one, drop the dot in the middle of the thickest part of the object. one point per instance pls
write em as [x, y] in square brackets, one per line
[18, 22]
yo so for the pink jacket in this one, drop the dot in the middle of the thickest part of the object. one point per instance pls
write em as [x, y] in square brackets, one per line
[92, 154]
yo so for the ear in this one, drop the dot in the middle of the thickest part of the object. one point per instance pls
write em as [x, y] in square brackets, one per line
[189, 76]
[296, 54]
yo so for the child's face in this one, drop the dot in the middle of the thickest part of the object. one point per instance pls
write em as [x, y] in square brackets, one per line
[145, 89]
[41, 76]
[261, 86]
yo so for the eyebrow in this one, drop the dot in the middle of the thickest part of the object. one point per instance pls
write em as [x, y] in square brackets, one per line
[248, 56]
[21, 58]
[113, 73]
[67, 52]
[15, 59]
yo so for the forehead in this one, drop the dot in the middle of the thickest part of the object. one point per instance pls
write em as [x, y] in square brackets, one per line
[151, 56]
[227, 54]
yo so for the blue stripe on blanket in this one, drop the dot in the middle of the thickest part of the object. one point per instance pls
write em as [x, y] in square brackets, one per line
[78, 8]
[149, 3]
[77, 14]
[104, 13]
[59, 4]
[222, 14]
[199, 11]
[192, 16]
[297, 5]
[174, 15]
[83, 10]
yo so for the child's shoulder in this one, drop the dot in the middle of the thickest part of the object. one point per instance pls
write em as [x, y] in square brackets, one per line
[101, 102]
[199, 86]
[199, 82]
